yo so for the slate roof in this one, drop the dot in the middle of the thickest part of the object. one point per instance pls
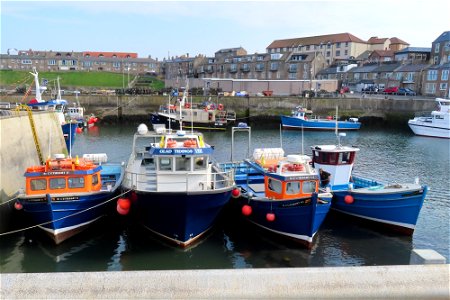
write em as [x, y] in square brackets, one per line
[386, 68]
[396, 40]
[412, 68]
[414, 50]
[363, 69]
[445, 36]
[376, 40]
[315, 40]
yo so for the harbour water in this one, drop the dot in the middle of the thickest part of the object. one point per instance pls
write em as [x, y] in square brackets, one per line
[117, 243]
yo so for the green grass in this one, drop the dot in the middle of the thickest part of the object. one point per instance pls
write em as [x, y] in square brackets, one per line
[73, 79]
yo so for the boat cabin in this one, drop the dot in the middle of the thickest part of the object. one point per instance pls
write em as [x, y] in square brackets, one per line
[334, 164]
[63, 175]
[289, 177]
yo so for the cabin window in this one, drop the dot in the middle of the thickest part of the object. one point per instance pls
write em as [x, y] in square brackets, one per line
[182, 163]
[76, 182]
[274, 185]
[344, 158]
[165, 164]
[200, 163]
[38, 184]
[309, 187]
[57, 183]
[95, 179]
[293, 187]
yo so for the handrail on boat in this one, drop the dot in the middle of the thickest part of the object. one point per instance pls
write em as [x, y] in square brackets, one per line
[219, 180]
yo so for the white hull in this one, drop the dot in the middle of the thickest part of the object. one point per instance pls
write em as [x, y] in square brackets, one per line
[429, 129]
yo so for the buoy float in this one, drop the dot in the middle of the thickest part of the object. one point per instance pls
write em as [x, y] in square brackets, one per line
[124, 203]
[348, 199]
[236, 193]
[246, 210]
[18, 205]
[78, 130]
[122, 211]
[270, 217]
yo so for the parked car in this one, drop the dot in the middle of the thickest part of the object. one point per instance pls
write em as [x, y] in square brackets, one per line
[371, 89]
[406, 92]
[391, 90]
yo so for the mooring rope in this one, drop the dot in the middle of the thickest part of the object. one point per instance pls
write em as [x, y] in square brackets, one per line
[6, 202]
[74, 214]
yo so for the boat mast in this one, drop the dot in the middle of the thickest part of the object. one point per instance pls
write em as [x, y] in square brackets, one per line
[38, 88]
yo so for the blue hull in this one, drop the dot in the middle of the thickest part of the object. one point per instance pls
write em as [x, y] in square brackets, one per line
[69, 131]
[399, 211]
[317, 124]
[298, 219]
[65, 216]
[179, 217]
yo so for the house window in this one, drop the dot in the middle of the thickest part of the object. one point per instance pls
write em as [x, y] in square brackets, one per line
[273, 66]
[52, 62]
[338, 45]
[26, 61]
[345, 52]
[293, 68]
[443, 86]
[338, 53]
[328, 53]
[444, 75]
[292, 76]
[430, 88]
[436, 48]
[432, 75]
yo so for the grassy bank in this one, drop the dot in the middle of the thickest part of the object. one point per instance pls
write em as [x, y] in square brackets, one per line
[73, 79]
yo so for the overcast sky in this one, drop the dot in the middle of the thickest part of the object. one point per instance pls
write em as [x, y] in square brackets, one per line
[163, 28]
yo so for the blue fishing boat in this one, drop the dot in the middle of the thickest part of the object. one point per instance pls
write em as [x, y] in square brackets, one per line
[65, 195]
[302, 118]
[280, 194]
[394, 205]
[178, 190]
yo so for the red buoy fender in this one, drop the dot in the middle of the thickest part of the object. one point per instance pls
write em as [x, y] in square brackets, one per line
[246, 210]
[124, 203]
[270, 217]
[348, 199]
[122, 211]
[236, 193]
[18, 205]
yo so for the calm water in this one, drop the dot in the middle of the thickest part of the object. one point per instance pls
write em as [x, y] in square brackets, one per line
[118, 244]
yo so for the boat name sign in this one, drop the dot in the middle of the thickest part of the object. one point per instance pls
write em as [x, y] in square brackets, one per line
[182, 151]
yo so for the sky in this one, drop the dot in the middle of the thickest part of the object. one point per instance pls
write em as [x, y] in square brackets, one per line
[162, 29]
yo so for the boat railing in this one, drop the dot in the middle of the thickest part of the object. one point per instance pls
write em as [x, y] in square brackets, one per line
[362, 182]
[216, 180]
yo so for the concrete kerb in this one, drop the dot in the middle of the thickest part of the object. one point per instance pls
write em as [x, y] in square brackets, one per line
[393, 282]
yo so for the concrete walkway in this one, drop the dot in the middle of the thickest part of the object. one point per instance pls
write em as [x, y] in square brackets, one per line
[385, 282]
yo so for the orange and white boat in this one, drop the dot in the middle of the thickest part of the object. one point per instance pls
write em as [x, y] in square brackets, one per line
[67, 194]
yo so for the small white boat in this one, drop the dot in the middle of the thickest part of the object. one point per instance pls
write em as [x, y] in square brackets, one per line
[435, 125]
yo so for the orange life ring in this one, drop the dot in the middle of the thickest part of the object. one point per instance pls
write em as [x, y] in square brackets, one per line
[220, 107]
[171, 144]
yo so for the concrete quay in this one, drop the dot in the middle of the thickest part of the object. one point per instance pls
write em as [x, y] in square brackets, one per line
[429, 281]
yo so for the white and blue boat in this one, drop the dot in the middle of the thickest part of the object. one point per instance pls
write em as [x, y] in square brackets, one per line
[178, 190]
[65, 195]
[302, 118]
[57, 106]
[395, 205]
[280, 194]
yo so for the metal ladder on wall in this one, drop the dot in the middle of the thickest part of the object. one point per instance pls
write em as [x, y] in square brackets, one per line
[33, 130]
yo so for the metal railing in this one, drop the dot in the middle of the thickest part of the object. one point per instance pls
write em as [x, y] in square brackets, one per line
[218, 180]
